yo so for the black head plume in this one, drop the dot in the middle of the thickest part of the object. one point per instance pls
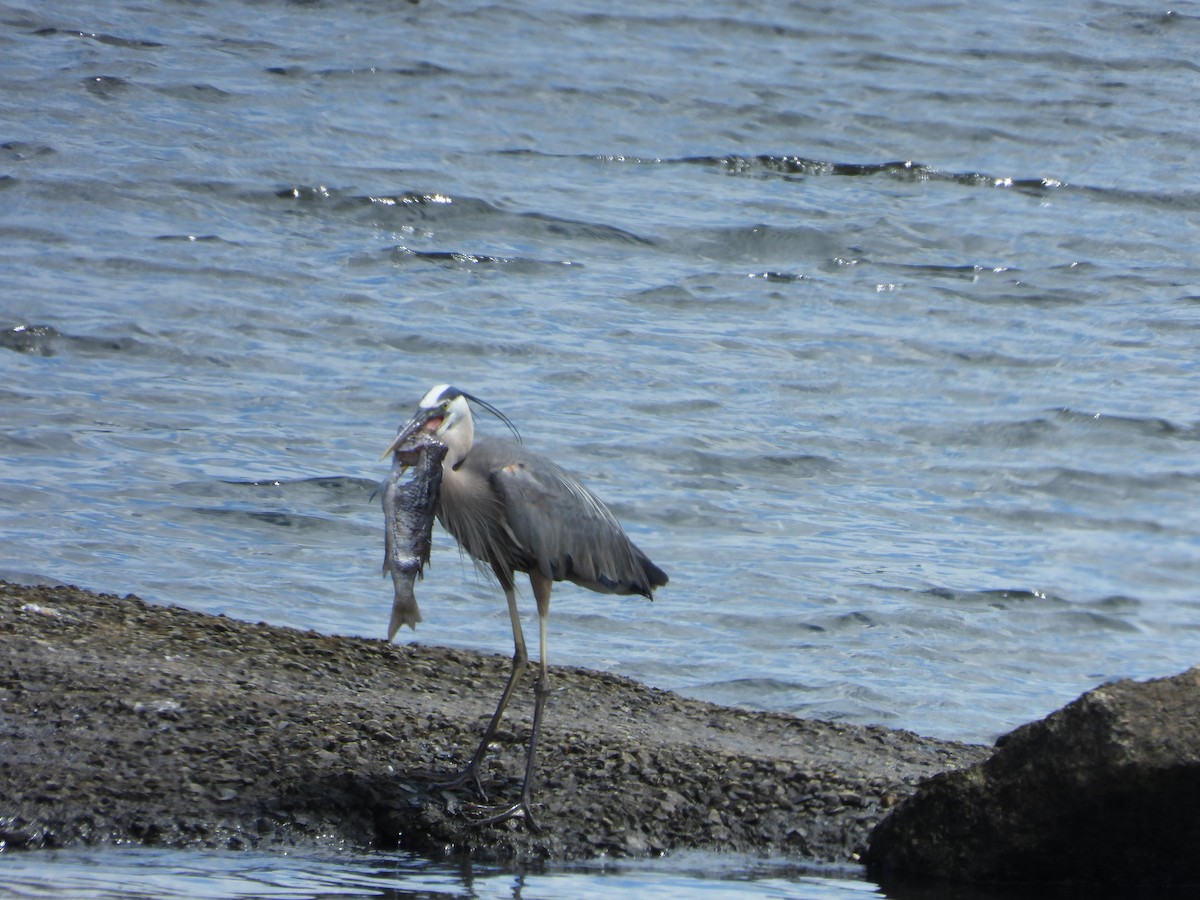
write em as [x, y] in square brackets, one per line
[485, 405]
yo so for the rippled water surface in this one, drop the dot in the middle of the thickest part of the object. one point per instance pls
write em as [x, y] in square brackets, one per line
[878, 328]
[167, 875]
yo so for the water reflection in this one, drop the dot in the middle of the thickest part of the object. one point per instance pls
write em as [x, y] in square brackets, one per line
[134, 874]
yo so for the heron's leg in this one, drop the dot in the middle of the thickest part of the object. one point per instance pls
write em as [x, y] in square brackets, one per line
[519, 661]
[523, 808]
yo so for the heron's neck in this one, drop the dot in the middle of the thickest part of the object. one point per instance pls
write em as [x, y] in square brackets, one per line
[458, 441]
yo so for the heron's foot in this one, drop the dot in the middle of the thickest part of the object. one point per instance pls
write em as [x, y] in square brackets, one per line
[495, 814]
[469, 775]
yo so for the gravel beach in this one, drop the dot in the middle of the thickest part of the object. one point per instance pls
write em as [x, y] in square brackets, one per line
[122, 721]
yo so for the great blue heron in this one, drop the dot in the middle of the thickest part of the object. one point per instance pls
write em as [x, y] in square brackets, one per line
[513, 511]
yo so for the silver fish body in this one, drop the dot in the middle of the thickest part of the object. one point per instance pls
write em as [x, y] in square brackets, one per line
[409, 508]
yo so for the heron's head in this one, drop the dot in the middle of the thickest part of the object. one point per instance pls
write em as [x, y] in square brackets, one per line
[441, 411]
[446, 412]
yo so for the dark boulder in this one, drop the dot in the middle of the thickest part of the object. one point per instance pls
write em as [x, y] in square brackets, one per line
[1106, 791]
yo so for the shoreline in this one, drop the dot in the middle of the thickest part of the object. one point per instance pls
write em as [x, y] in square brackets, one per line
[125, 722]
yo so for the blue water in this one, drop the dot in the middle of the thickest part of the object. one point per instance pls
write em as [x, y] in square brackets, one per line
[877, 327]
[170, 875]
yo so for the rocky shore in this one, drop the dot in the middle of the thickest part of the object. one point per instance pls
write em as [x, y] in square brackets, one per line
[121, 721]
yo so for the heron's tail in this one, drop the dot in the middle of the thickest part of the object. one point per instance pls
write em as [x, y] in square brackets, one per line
[654, 576]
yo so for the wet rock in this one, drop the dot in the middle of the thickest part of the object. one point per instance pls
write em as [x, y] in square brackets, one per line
[1105, 790]
[121, 721]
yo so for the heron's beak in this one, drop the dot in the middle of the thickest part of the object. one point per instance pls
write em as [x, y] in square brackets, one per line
[425, 419]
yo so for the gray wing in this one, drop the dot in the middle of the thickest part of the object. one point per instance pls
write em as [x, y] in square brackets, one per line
[566, 532]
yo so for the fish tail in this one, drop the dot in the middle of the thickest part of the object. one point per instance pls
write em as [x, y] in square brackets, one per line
[404, 608]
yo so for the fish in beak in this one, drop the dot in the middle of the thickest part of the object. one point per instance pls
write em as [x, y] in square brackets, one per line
[425, 420]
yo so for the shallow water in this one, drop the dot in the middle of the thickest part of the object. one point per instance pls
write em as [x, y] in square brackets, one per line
[165, 875]
[877, 328]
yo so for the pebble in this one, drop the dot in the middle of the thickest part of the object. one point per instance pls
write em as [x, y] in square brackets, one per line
[346, 741]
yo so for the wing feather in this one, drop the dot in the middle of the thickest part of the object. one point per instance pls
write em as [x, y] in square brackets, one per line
[566, 532]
